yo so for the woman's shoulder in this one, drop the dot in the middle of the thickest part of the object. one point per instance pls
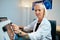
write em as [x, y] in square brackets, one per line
[45, 21]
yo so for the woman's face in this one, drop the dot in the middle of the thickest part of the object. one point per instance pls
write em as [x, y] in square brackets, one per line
[39, 11]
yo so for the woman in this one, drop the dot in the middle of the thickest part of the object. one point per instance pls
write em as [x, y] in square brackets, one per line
[41, 26]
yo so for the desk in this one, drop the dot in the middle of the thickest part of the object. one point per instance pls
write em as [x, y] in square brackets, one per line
[58, 28]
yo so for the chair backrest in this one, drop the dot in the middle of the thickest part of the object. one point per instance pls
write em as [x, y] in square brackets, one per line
[53, 29]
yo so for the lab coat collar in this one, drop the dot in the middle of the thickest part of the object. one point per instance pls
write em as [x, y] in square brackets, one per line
[36, 23]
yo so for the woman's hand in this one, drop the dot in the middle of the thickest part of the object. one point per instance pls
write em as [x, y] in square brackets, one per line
[17, 30]
[15, 27]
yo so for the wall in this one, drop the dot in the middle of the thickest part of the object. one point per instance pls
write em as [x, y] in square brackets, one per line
[22, 16]
[54, 14]
[10, 9]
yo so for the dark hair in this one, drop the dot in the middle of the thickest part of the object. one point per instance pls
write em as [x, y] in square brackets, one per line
[36, 3]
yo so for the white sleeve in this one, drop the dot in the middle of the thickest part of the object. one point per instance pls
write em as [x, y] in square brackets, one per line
[42, 32]
[30, 26]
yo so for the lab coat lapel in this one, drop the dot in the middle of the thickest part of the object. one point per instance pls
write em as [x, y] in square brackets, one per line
[39, 25]
[35, 26]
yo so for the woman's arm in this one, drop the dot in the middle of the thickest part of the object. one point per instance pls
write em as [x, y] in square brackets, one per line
[22, 28]
[22, 34]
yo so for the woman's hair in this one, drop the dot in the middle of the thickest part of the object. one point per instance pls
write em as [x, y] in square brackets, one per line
[41, 4]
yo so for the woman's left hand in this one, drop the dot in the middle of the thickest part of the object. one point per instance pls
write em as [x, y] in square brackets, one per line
[21, 33]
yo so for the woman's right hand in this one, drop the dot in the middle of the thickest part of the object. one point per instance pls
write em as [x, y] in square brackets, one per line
[15, 27]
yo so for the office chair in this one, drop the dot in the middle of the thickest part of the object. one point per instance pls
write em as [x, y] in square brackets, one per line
[53, 29]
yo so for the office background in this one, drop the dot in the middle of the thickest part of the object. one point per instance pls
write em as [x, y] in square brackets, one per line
[20, 11]
[23, 15]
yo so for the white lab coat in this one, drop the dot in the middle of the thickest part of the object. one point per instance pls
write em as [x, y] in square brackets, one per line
[43, 32]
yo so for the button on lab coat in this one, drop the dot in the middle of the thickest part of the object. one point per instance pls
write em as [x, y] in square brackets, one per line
[43, 32]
